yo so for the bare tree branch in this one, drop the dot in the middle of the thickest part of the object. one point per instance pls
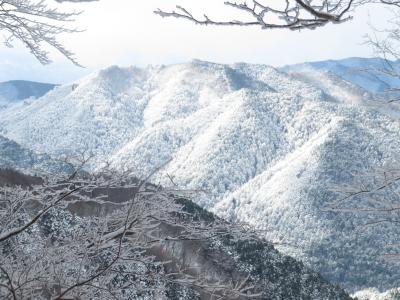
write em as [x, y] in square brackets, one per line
[290, 14]
[282, 14]
[36, 24]
[108, 252]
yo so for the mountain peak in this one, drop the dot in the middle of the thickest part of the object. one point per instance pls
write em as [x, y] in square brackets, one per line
[262, 143]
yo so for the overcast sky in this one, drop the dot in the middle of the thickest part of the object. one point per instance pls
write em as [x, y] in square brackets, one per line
[126, 32]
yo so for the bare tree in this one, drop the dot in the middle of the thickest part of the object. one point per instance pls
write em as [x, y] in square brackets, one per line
[376, 194]
[36, 24]
[385, 44]
[98, 237]
[289, 14]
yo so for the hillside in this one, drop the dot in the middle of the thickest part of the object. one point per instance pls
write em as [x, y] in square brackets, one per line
[13, 155]
[17, 90]
[240, 258]
[265, 146]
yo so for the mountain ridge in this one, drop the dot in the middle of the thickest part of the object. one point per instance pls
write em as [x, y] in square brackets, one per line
[363, 72]
[17, 90]
[263, 144]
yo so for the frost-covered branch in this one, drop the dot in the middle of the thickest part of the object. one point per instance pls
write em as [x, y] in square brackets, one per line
[103, 236]
[290, 14]
[282, 14]
[36, 24]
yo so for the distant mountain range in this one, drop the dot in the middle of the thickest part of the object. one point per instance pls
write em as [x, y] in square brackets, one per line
[367, 73]
[266, 145]
[17, 90]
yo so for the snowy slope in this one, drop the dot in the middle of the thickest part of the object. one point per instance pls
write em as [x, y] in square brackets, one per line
[363, 72]
[374, 294]
[288, 200]
[17, 90]
[99, 114]
[266, 147]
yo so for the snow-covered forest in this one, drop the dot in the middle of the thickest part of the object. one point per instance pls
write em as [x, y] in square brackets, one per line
[200, 179]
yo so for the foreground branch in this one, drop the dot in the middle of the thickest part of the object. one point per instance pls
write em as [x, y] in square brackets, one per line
[35, 24]
[289, 14]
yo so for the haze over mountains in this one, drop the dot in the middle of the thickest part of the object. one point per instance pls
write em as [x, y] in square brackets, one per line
[363, 72]
[267, 147]
[17, 90]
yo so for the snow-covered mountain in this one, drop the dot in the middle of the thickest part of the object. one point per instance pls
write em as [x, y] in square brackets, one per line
[374, 294]
[17, 90]
[363, 72]
[101, 113]
[266, 146]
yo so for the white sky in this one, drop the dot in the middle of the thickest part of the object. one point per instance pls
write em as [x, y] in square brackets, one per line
[126, 32]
